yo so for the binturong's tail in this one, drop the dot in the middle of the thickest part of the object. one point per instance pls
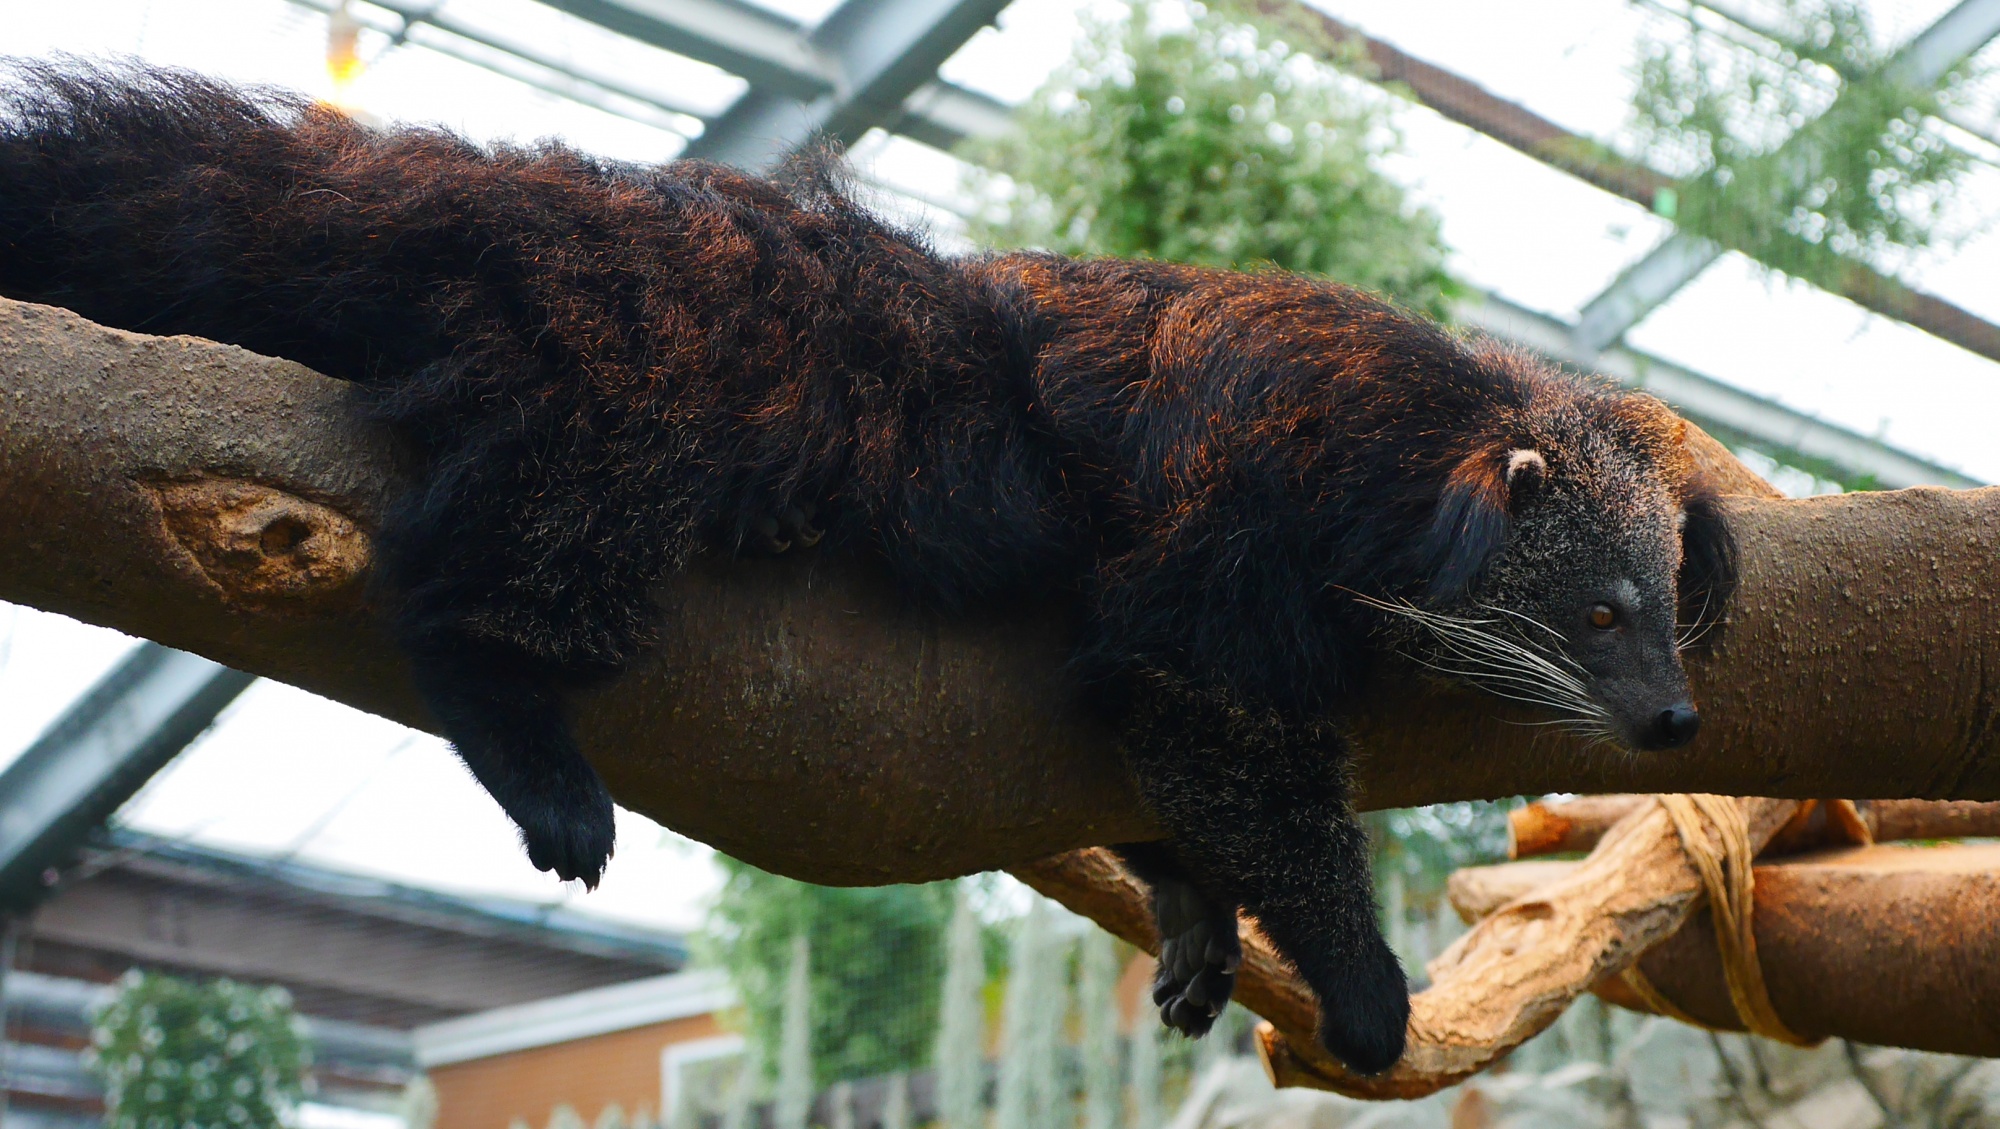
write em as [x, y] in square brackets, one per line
[160, 201]
[163, 202]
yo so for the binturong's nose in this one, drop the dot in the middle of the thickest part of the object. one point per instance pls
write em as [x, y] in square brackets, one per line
[1676, 725]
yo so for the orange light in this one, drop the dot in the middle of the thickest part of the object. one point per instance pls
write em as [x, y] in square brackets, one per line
[343, 50]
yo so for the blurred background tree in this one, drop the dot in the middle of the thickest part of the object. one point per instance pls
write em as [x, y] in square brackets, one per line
[875, 966]
[221, 1055]
[1797, 140]
[1183, 135]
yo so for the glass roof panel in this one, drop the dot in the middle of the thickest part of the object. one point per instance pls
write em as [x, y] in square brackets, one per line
[46, 661]
[288, 775]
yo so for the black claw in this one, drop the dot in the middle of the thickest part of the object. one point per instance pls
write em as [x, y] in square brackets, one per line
[571, 857]
[768, 541]
[799, 527]
[574, 843]
[788, 527]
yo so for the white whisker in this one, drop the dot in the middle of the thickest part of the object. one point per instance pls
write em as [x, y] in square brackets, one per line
[1699, 629]
[1474, 650]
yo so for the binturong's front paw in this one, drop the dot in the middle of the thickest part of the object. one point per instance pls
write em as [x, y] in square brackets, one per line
[574, 842]
[1364, 1009]
[1199, 955]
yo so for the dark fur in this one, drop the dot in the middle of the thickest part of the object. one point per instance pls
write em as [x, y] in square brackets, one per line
[602, 369]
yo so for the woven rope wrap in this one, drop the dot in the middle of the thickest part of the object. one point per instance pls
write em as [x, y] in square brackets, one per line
[1724, 861]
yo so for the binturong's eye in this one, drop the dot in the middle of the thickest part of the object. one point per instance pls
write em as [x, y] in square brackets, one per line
[1603, 616]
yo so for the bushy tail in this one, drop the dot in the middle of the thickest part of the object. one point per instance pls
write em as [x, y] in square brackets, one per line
[160, 201]
[164, 202]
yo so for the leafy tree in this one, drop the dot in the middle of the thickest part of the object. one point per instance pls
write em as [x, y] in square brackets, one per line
[174, 1054]
[877, 960]
[1180, 134]
[1797, 143]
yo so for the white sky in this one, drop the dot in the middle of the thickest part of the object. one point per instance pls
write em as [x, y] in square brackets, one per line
[288, 773]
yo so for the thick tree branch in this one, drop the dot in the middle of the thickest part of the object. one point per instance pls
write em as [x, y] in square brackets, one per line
[798, 716]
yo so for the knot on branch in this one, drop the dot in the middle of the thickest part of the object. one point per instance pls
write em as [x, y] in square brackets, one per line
[266, 550]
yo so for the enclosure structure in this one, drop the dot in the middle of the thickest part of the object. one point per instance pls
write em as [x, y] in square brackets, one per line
[288, 613]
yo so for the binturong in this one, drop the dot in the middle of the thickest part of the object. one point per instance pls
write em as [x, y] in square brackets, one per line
[1261, 493]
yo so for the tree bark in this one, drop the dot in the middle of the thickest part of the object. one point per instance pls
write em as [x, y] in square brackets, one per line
[798, 716]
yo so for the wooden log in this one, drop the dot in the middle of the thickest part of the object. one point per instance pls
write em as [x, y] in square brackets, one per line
[1560, 827]
[1496, 987]
[1548, 827]
[1894, 945]
[1931, 819]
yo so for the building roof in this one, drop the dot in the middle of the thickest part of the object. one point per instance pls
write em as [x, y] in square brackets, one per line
[579, 1015]
[347, 946]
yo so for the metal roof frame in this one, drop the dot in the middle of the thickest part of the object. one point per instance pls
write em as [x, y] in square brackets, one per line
[101, 751]
[1466, 102]
[1678, 260]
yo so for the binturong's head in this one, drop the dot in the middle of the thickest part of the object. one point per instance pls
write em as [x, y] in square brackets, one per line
[1572, 555]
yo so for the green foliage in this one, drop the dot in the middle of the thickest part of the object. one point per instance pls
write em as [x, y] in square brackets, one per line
[877, 960]
[1204, 142]
[1426, 844]
[1799, 145]
[173, 1054]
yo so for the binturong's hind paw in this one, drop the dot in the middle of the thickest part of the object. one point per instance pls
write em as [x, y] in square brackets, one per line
[573, 843]
[1364, 1011]
[1199, 955]
[790, 527]
[504, 716]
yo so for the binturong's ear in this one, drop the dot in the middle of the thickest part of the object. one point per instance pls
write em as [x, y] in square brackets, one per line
[1708, 566]
[1474, 517]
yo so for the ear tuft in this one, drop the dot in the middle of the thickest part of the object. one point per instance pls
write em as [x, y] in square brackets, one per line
[1526, 470]
[1708, 565]
[1468, 529]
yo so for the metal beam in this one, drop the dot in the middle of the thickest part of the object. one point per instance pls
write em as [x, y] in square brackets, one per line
[872, 62]
[942, 115]
[1638, 290]
[769, 50]
[1718, 406]
[880, 52]
[97, 754]
[1681, 258]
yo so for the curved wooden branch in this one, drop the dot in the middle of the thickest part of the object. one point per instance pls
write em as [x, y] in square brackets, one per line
[1556, 827]
[799, 717]
[1891, 945]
